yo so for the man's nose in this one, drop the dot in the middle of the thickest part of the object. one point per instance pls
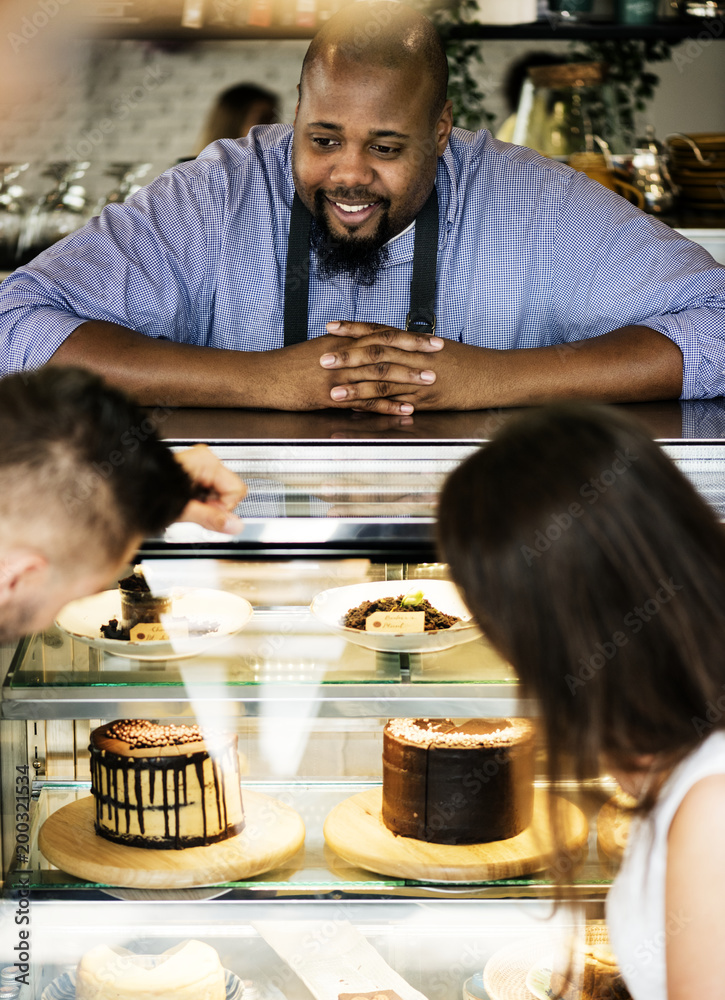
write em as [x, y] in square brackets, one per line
[351, 168]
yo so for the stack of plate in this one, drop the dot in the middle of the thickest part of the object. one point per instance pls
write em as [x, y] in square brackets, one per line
[698, 168]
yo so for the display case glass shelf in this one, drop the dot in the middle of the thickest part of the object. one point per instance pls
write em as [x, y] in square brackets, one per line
[335, 500]
[317, 870]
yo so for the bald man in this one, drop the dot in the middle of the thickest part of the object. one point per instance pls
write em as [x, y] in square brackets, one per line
[374, 257]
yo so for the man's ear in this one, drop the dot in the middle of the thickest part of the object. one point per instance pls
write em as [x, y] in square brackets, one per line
[443, 128]
[297, 105]
[21, 570]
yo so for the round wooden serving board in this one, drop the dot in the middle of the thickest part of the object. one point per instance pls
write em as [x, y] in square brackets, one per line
[355, 830]
[273, 833]
[612, 829]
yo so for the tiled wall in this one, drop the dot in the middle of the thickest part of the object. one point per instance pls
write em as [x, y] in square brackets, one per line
[133, 101]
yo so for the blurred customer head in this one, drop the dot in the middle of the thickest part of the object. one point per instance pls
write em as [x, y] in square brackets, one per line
[598, 571]
[83, 479]
[236, 110]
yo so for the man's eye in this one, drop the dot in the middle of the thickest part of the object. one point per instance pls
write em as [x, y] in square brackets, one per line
[385, 150]
[324, 140]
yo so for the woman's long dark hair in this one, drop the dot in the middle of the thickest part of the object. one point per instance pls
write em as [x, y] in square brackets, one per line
[598, 571]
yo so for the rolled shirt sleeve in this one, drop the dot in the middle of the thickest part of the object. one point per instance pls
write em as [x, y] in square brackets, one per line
[144, 265]
[616, 266]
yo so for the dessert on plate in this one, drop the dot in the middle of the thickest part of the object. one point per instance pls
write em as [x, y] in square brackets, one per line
[434, 619]
[189, 971]
[139, 606]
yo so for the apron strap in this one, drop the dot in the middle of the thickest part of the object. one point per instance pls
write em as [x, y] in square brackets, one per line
[420, 319]
[297, 275]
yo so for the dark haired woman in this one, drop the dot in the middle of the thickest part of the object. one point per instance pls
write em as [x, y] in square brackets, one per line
[597, 570]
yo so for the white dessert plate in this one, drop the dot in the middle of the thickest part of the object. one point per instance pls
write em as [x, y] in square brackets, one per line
[63, 987]
[331, 606]
[82, 619]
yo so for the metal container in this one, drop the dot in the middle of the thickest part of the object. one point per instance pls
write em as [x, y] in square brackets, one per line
[650, 174]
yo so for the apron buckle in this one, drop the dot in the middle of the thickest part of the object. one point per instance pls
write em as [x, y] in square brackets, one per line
[421, 325]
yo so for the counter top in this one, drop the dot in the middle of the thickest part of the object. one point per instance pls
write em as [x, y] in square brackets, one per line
[669, 420]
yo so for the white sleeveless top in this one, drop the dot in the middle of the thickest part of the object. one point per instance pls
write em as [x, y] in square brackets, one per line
[636, 901]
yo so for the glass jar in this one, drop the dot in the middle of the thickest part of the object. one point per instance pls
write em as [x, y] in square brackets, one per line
[564, 109]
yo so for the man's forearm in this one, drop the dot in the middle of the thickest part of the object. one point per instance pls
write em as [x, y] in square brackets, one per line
[154, 371]
[633, 364]
[628, 365]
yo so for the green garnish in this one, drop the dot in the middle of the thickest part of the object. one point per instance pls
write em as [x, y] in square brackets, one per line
[413, 599]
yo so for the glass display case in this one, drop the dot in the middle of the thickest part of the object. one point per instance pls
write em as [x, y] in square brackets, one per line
[334, 501]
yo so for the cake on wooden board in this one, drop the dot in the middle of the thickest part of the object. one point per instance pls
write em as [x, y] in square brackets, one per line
[458, 783]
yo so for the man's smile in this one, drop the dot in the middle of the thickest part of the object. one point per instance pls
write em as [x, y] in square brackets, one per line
[353, 213]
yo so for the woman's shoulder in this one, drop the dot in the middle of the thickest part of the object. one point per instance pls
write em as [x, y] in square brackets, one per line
[705, 765]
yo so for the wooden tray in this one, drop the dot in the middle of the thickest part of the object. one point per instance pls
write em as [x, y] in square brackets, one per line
[355, 830]
[273, 833]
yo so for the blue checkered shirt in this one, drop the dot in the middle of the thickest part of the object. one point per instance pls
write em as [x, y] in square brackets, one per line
[530, 254]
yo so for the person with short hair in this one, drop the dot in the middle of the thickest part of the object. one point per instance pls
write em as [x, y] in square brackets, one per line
[84, 478]
[373, 257]
[235, 111]
[596, 569]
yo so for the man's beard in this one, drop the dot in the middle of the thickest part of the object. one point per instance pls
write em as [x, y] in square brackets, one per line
[360, 257]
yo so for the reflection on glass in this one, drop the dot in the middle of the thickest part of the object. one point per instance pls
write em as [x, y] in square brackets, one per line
[65, 208]
[14, 203]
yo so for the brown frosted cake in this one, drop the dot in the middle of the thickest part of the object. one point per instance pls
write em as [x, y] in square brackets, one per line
[458, 783]
[164, 786]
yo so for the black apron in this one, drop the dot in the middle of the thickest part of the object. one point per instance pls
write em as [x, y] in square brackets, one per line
[421, 317]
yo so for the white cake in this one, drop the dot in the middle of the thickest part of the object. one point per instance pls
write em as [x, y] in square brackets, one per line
[189, 971]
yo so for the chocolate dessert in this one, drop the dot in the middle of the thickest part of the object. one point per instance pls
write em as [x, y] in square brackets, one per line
[165, 786]
[467, 783]
[140, 607]
[434, 619]
[138, 604]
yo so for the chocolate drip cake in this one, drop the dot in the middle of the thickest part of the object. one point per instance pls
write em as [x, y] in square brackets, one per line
[467, 783]
[163, 786]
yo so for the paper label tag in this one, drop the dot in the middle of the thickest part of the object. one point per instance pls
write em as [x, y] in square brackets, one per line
[156, 632]
[395, 621]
